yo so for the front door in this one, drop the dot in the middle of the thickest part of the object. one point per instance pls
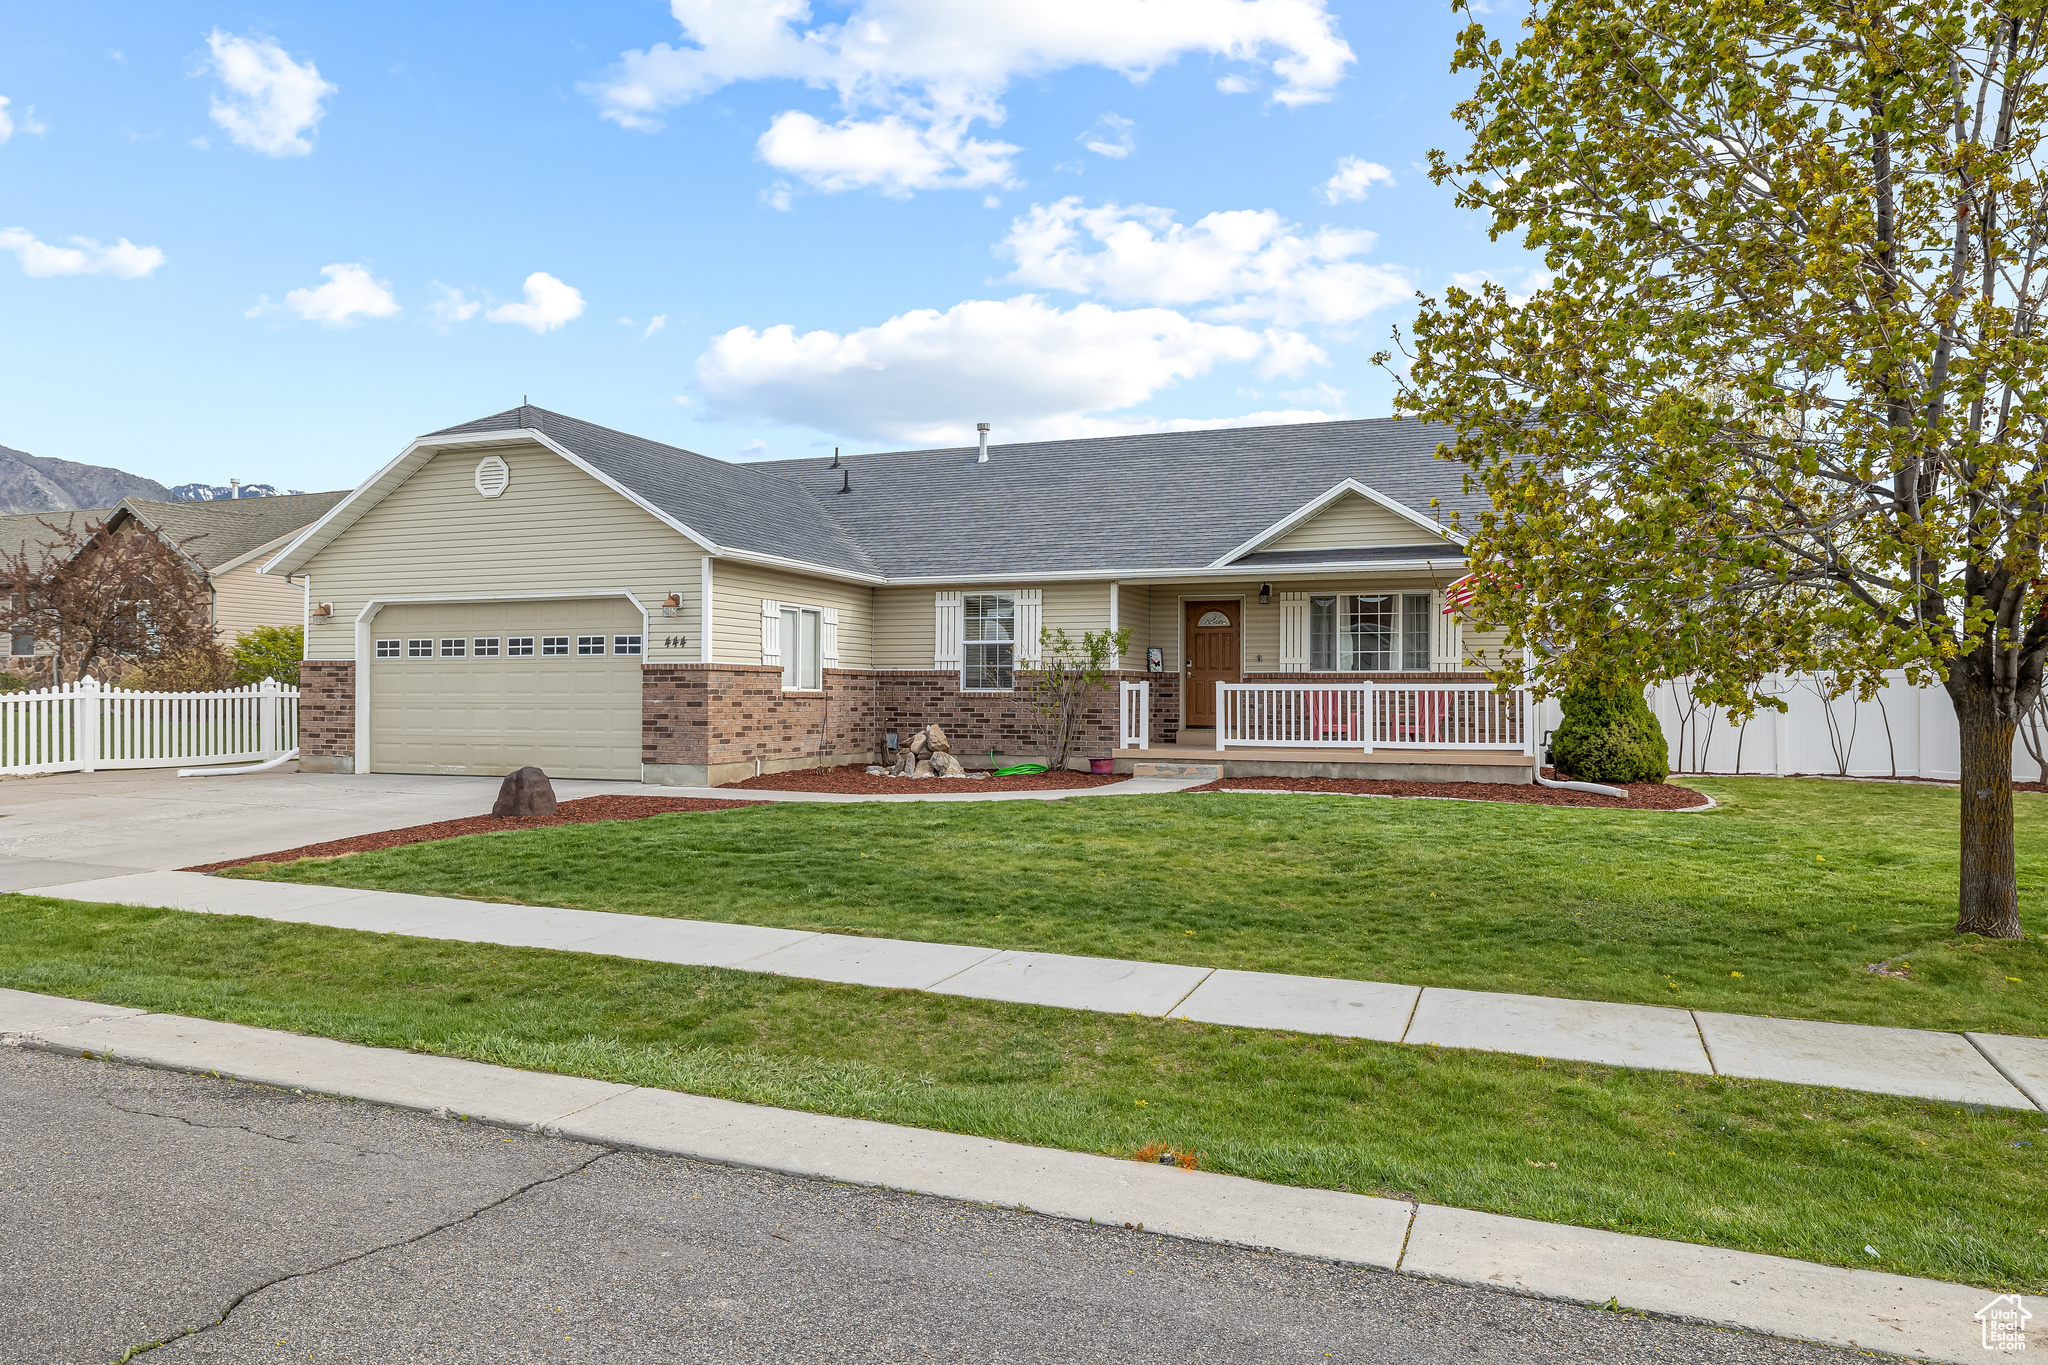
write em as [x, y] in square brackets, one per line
[1214, 655]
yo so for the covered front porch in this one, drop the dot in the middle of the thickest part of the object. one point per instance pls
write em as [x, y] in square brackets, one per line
[1403, 731]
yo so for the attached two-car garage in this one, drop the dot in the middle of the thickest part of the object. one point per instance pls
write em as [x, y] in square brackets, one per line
[486, 687]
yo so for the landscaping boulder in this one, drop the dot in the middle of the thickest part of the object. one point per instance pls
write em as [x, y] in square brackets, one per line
[1609, 735]
[936, 738]
[525, 792]
[945, 765]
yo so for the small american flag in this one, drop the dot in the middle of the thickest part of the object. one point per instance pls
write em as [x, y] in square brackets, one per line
[1459, 594]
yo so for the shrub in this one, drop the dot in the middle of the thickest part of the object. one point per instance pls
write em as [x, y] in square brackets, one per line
[1609, 735]
[204, 668]
[270, 652]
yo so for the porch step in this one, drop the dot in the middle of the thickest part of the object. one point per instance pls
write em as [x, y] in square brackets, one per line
[1207, 772]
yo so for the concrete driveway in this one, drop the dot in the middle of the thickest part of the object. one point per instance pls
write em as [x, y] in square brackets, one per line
[72, 827]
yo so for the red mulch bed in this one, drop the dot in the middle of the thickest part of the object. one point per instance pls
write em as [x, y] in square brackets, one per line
[853, 779]
[1641, 795]
[579, 812]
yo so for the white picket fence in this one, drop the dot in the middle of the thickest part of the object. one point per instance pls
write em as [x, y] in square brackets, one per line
[82, 727]
[1134, 715]
[1903, 731]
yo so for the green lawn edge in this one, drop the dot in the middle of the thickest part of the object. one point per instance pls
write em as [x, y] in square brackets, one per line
[1775, 903]
[1808, 1173]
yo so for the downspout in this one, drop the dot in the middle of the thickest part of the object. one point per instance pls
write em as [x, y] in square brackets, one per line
[704, 610]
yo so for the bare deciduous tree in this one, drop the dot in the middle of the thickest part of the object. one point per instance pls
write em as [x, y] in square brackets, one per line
[102, 598]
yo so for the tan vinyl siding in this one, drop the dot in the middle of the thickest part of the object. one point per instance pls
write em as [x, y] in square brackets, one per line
[1483, 648]
[906, 617]
[1134, 609]
[553, 530]
[245, 598]
[1352, 522]
[739, 589]
[1076, 608]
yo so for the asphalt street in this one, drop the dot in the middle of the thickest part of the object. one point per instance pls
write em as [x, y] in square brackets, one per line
[243, 1223]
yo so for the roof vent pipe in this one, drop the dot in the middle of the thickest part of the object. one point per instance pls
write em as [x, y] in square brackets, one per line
[982, 427]
[846, 480]
[235, 486]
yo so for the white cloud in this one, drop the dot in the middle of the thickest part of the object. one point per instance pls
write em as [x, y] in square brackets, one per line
[28, 124]
[1236, 85]
[549, 304]
[1033, 368]
[123, 260]
[776, 196]
[930, 68]
[1244, 264]
[450, 307]
[655, 324]
[272, 103]
[1110, 137]
[1354, 175]
[350, 294]
[890, 154]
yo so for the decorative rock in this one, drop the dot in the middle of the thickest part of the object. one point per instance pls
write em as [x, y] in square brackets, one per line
[877, 770]
[924, 770]
[525, 792]
[936, 737]
[919, 744]
[945, 765]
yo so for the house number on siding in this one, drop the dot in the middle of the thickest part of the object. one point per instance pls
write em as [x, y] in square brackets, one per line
[674, 642]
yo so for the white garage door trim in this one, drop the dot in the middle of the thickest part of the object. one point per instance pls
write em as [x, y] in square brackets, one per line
[368, 616]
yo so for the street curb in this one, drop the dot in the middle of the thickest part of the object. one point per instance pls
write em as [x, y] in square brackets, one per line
[1859, 1309]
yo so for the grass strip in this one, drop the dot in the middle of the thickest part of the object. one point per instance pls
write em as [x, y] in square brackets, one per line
[1776, 903]
[1803, 1172]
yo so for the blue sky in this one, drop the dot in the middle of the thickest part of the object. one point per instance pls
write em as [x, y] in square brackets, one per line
[276, 243]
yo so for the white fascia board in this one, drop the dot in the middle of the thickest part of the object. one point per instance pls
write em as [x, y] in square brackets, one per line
[1309, 509]
[1454, 556]
[381, 484]
[802, 566]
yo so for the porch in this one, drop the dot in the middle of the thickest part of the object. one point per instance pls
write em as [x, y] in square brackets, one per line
[1398, 732]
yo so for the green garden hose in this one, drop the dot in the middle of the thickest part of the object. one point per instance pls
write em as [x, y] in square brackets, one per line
[1021, 770]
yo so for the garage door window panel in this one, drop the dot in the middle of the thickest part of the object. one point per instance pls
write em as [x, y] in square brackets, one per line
[485, 647]
[388, 649]
[454, 649]
[519, 647]
[554, 645]
[626, 644]
[589, 646]
[419, 649]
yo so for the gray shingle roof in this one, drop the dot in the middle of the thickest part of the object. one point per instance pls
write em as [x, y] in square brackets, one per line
[1170, 500]
[212, 533]
[745, 506]
[31, 530]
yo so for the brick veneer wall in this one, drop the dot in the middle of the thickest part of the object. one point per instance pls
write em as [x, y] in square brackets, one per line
[327, 715]
[724, 714]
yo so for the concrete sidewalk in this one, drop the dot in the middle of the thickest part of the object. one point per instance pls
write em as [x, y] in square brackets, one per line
[1978, 1069]
[1854, 1308]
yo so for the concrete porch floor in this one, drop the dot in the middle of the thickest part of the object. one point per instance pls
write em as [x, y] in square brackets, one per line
[1193, 754]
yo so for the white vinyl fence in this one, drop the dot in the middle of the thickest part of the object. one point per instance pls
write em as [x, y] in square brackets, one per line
[82, 726]
[1134, 715]
[1904, 731]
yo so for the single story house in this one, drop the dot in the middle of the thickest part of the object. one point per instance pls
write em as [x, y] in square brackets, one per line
[530, 588]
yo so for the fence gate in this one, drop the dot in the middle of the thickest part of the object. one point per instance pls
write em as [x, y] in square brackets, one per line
[81, 727]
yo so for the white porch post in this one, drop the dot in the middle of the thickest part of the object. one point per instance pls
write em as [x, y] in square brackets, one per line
[1220, 742]
[704, 609]
[1113, 622]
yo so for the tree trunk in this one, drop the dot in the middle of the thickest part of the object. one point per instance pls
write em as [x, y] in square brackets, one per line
[1988, 903]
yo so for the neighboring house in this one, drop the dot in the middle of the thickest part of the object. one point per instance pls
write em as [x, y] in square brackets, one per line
[29, 532]
[528, 588]
[227, 541]
[223, 542]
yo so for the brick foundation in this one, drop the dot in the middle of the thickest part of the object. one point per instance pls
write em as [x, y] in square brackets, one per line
[327, 716]
[704, 724]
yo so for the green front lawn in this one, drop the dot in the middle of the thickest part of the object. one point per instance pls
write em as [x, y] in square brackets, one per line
[1773, 904]
[1809, 1173]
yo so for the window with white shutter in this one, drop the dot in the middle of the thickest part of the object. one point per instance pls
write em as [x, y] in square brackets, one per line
[1447, 654]
[946, 631]
[771, 634]
[1030, 623]
[1294, 632]
[830, 647]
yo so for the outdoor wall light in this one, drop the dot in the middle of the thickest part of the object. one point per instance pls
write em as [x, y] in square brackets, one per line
[672, 605]
[324, 609]
[1265, 594]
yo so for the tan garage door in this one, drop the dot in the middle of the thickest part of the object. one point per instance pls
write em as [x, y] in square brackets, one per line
[486, 687]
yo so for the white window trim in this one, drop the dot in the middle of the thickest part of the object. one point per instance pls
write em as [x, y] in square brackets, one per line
[1017, 616]
[771, 640]
[1436, 632]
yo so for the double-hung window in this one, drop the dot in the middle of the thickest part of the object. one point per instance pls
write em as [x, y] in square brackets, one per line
[802, 631]
[988, 659]
[1369, 632]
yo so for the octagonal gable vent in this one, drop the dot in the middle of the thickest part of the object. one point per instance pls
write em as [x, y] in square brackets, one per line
[492, 477]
